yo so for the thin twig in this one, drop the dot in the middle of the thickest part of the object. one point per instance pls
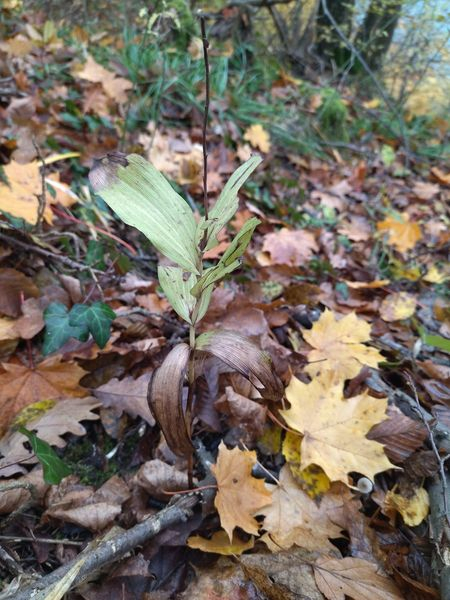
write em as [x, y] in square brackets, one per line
[19, 538]
[47, 254]
[433, 447]
[42, 197]
[205, 116]
[115, 548]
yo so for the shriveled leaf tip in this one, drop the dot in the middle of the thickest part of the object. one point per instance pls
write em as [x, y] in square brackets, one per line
[104, 170]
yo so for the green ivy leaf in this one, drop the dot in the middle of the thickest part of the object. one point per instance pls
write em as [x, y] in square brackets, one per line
[58, 329]
[97, 318]
[54, 468]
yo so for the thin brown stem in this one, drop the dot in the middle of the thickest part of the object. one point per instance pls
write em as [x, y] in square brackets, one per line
[42, 197]
[205, 116]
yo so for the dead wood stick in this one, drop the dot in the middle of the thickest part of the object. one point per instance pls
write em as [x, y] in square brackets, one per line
[115, 548]
[440, 532]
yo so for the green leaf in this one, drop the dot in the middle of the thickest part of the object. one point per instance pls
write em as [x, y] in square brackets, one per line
[435, 340]
[54, 468]
[97, 318]
[59, 329]
[227, 203]
[230, 260]
[143, 198]
[178, 293]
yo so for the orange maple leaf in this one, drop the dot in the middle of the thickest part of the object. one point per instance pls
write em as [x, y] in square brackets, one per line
[239, 494]
[402, 233]
[50, 379]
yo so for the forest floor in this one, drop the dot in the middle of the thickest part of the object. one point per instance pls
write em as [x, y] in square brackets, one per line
[341, 487]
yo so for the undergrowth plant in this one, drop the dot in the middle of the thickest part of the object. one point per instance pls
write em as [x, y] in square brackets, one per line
[141, 196]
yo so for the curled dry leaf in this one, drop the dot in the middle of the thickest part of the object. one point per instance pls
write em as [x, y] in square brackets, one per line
[220, 544]
[353, 577]
[157, 477]
[243, 411]
[242, 355]
[11, 499]
[14, 283]
[339, 346]
[75, 503]
[334, 428]
[165, 396]
[127, 395]
[239, 495]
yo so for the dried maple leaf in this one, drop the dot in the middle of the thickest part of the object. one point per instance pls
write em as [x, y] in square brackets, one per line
[115, 87]
[27, 326]
[414, 509]
[258, 137]
[19, 197]
[338, 346]
[50, 379]
[287, 247]
[220, 544]
[398, 306]
[294, 518]
[334, 428]
[358, 579]
[402, 234]
[239, 495]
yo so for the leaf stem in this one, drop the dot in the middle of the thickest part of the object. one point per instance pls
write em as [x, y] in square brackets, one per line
[205, 116]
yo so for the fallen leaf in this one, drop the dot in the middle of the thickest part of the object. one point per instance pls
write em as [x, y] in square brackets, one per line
[50, 420]
[11, 499]
[398, 306]
[353, 577]
[425, 190]
[62, 193]
[50, 379]
[334, 428]
[338, 346]
[414, 509]
[258, 137]
[239, 495]
[19, 197]
[242, 411]
[74, 503]
[127, 395]
[294, 518]
[289, 247]
[313, 480]
[27, 326]
[402, 233]
[114, 86]
[442, 177]
[14, 284]
[357, 285]
[157, 477]
[219, 543]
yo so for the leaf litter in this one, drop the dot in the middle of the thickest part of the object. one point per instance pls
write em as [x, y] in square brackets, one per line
[346, 301]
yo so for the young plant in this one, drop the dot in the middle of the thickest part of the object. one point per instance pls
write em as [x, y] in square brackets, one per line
[141, 196]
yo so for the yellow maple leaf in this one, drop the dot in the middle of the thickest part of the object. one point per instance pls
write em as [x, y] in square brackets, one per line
[294, 518]
[334, 428]
[413, 509]
[258, 137]
[398, 306]
[239, 495]
[312, 479]
[19, 197]
[402, 233]
[338, 346]
[220, 544]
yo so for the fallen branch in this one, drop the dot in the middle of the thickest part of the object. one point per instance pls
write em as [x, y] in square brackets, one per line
[113, 549]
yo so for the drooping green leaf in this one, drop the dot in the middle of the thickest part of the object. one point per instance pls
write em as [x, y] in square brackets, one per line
[227, 203]
[230, 260]
[59, 329]
[97, 318]
[435, 340]
[54, 468]
[143, 198]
